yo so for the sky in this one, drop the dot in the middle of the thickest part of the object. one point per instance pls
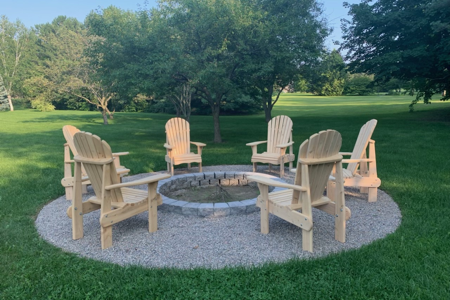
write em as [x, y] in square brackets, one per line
[33, 12]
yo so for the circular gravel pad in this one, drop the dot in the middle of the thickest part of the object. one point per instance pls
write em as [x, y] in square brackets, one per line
[216, 242]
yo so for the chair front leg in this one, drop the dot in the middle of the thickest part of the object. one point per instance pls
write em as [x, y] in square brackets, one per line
[373, 191]
[106, 231]
[152, 207]
[264, 200]
[199, 150]
[339, 220]
[331, 186]
[282, 159]
[291, 154]
[77, 205]
[363, 171]
[117, 162]
[305, 198]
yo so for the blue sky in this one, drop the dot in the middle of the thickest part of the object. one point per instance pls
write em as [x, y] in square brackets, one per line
[33, 12]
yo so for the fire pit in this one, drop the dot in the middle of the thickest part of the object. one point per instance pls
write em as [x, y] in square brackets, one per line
[211, 193]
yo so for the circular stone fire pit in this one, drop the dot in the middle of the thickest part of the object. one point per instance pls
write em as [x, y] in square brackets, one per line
[222, 181]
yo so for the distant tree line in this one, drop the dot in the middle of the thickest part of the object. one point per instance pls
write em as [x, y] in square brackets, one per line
[222, 57]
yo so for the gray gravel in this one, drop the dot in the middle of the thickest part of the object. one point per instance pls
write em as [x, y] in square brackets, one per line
[188, 241]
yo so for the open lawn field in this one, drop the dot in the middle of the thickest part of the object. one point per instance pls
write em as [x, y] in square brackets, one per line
[413, 163]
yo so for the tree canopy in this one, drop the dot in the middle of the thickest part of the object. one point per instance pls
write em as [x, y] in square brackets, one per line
[408, 40]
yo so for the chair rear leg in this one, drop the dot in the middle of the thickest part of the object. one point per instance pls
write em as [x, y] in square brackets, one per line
[200, 167]
[69, 193]
[282, 169]
[373, 194]
[189, 165]
[152, 207]
[254, 167]
[106, 236]
[264, 199]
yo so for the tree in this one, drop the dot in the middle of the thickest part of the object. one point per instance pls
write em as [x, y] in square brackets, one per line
[65, 69]
[407, 40]
[200, 43]
[59, 50]
[14, 39]
[284, 39]
[358, 84]
[328, 77]
[182, 101]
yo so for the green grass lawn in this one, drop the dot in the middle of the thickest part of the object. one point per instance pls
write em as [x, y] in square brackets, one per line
[413, 164]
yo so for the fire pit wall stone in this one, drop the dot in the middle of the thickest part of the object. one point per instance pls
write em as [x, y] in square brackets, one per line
[185, 181]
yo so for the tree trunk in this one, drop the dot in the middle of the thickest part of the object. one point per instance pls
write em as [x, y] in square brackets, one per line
[216, 114]
[11, 107]
[105, 118]
[268, 103]
[110, 114]
[267, 112]
[188, 115]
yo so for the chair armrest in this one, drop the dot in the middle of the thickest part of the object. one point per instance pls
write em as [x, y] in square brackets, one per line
[121, 171]
[167, 146]
[271, 182]
[256, 143]
[345, 161]
[69, 161]
[284, 145]
[96, 161]
[198, 144]
[120, 153]
[145, 180]
[345, 153]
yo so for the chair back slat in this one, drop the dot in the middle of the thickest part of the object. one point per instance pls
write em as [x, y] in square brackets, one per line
[92, 147]
[178, 136]
[319, 146]
[365, 134]
[278, 132]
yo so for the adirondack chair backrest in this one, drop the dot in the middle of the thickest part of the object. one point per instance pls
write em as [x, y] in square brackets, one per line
[69, 131]
[278, 132]
[178, 136]
[365, 134]
[324, 145]
[91, 147]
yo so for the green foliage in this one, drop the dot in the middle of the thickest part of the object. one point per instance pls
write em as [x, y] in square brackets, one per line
[300, 84]
[59, 54]
[286, 38]
[14, 42]
[328, 77]
[359, 84]
[407, 40]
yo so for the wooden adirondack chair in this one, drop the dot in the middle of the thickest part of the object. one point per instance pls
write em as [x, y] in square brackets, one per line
[279, 138]
[178, 145]
[318, 156]
[116, 201]
[361, 170]
[68, 180]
